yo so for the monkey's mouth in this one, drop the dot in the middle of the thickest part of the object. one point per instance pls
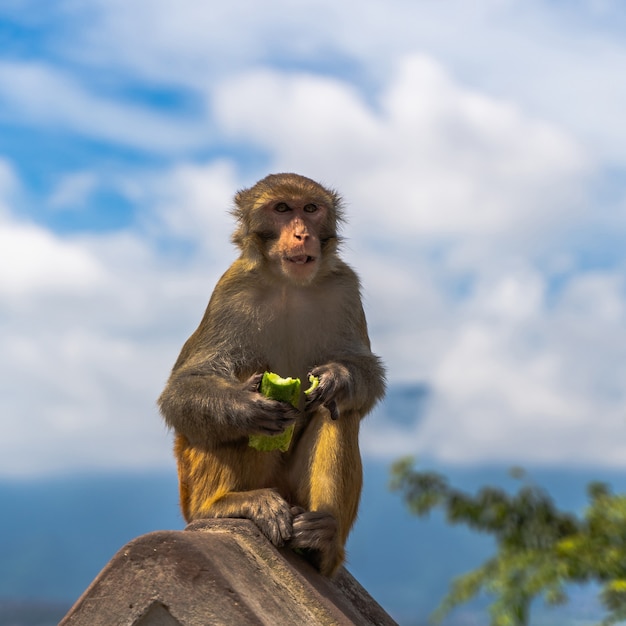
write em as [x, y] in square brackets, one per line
[301, 259]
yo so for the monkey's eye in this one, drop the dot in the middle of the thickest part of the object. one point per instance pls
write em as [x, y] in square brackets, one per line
[281, 207]
[310, 208]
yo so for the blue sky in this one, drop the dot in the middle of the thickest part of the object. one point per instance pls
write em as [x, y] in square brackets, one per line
[480, 148]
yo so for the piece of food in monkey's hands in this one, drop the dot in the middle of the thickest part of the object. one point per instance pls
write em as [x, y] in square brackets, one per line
[315, 381]
[331, 405]
[277, 388]
[287, 390]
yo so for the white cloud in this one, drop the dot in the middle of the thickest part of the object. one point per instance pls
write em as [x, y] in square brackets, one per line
[117, 310]
[193, 202]
[93, 323]
[8, 186]
[73, 191]
[448, 160]
[465, 148]
[34, 260]
[454, 186]
[198, 41]
[527, 378]
[562, 63]
[40, 94]
[79, 395]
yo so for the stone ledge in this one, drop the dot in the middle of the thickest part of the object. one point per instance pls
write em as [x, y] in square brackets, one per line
[219, 571]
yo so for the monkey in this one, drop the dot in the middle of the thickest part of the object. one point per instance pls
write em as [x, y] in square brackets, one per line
[290, 305]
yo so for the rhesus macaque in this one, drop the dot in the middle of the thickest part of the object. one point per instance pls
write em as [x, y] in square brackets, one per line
[288, 305]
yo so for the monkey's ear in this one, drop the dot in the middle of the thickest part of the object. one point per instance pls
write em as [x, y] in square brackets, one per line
[240, 208]
[241, 231]
[250, 243]
[241, 214]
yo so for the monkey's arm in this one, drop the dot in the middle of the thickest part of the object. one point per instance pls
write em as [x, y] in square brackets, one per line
[208, 407]
[212, 394]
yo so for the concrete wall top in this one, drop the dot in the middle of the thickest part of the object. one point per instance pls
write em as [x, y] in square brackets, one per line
[219, 571]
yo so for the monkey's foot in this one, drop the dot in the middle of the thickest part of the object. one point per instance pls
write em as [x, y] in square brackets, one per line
[314, 536]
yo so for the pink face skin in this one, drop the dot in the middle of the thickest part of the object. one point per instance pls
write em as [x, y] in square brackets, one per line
[297, 249]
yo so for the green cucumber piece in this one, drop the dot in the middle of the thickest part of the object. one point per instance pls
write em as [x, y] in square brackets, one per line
[286, 390]
[314, 381]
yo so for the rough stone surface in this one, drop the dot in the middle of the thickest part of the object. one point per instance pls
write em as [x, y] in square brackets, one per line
[219, 572]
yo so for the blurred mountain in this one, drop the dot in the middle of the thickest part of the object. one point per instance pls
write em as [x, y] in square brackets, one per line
[403, 405]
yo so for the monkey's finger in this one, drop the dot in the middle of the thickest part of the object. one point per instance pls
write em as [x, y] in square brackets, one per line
[285, 415]
[325, 390]
[312, 397]
[269, 421]
[332, 409]
[312, 405]
[276, 409]
[252, 384]
[317, 397]
[270, 428]
[286, 529]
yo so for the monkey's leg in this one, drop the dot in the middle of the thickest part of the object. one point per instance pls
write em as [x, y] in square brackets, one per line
[233, 481]
[327, 473]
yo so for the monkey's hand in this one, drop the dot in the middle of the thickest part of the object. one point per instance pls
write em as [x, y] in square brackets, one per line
[260, 415]
[271, 513]
[315, 534]
[334, 385]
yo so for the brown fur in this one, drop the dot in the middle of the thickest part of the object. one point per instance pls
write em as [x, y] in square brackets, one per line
[288, 305]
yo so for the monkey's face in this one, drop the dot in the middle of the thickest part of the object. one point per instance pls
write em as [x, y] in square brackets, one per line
[294, 246]
[288, 224]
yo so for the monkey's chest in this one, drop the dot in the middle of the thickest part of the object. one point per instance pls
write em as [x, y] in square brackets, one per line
[293, 337]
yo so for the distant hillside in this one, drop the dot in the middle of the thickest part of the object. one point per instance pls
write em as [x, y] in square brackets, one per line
[55, 536]
[38, 613]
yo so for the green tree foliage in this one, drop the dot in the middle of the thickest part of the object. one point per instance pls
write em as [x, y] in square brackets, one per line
[540, 548]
